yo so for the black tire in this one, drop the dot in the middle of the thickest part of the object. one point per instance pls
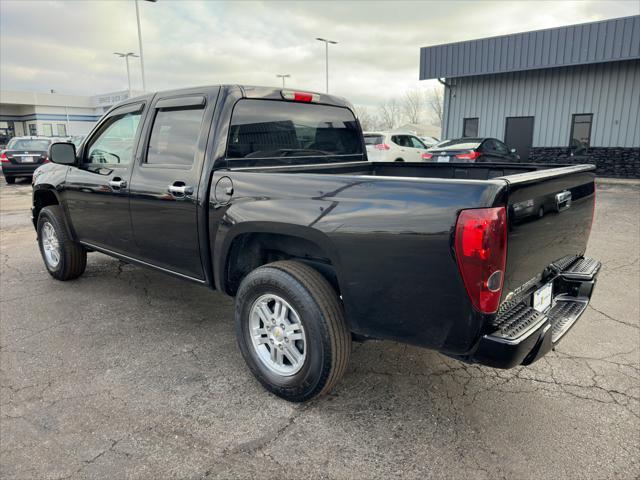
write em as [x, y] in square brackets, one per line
[10, 180]
[328, 340]
[72, 256]
[399, 160]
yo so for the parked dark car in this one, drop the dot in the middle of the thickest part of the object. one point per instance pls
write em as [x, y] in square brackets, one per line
[267, 196]
[471, 150]
[23, 155]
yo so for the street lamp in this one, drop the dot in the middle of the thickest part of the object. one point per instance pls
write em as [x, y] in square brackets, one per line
[144, 83]
[126, 58]
[283, 76]
[326, 52]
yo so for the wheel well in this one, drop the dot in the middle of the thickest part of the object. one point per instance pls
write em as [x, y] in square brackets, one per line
[252, 250]
[41, 199]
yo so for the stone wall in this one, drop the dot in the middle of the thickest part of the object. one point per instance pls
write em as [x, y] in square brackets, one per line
[610, 162]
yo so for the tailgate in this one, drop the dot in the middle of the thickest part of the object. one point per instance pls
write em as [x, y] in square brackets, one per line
[549, 216]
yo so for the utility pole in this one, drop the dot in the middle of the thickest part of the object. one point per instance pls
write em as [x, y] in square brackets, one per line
[283, 76]
[126, 58]
[144, 82]
[326, 57]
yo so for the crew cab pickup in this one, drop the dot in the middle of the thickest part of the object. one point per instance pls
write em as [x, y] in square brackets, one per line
[267, 196]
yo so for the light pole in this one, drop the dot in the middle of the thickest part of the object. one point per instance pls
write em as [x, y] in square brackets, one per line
[326, 56]
[283, 76]
[126, 59]
[144, 82]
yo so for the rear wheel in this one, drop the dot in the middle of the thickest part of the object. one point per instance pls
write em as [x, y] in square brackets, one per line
[291, 330]
[10, 180]
[399, 160]
[64, 258]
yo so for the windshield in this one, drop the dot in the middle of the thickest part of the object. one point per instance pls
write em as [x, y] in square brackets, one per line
[28, 144]
[289, 133]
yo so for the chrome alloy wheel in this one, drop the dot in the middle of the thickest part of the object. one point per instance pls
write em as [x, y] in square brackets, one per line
[50, 245]
[277, 335]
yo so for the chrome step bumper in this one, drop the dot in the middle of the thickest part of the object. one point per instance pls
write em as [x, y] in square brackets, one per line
[564, 314]
[522, 335]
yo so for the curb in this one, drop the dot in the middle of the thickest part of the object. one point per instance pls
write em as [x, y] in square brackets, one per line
[617, 181]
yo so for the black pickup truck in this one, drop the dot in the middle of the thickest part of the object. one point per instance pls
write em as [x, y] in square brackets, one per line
[267, 196]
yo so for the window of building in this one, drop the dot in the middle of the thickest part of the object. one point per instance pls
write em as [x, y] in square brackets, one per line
[174, 137]
[62, 130]
[470, 127]
[114, 142]
[580, 131]
[47, 129]
[33, 130]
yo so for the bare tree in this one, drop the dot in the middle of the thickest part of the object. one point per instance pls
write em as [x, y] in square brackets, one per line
[389, 113]
[368, 120]
[413, 105]
[435, 101]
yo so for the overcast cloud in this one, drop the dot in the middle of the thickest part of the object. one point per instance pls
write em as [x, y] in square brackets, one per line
[68, 45]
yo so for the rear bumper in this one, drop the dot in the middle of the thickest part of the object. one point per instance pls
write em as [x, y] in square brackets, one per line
[524, 335]
[14, 170]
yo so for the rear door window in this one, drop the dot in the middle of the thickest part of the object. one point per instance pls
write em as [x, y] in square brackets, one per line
[268, 132]
[501, 148]
[174, 137]
[488, 146]
[401, 140]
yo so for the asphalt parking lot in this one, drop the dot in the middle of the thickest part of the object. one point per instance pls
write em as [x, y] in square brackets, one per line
[127, 373]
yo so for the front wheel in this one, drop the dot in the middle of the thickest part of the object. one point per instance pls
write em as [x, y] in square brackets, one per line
[10, 180]
[291, 330]
[64, 258]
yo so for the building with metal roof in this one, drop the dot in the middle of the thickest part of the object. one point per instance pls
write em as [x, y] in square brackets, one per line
[562, 94]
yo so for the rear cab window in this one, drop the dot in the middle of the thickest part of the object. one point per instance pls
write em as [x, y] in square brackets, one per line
[271, 132]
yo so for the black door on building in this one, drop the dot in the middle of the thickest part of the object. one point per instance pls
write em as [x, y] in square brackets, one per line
[519, 135]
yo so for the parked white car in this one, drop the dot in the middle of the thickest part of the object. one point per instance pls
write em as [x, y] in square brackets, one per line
[394, 147]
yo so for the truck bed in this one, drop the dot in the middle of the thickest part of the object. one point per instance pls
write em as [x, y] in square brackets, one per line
[466, 171]
[391, 227]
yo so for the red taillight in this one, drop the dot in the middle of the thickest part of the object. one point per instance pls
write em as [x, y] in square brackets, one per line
[3, 158]
[382, 146]
[45, 159]
[427, 156]
[481, 252]
[300, 96]
[472, 155]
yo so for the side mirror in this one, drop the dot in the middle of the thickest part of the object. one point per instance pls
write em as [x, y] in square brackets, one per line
[63, 153]
[513, 150]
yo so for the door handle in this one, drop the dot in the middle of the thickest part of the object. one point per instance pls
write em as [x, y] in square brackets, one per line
[117, 183]
[180, 190]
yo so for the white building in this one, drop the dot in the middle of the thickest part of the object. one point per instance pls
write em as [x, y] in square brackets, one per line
[52, 114]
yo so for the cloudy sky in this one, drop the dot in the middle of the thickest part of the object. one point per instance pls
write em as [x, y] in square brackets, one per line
[68, 45]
